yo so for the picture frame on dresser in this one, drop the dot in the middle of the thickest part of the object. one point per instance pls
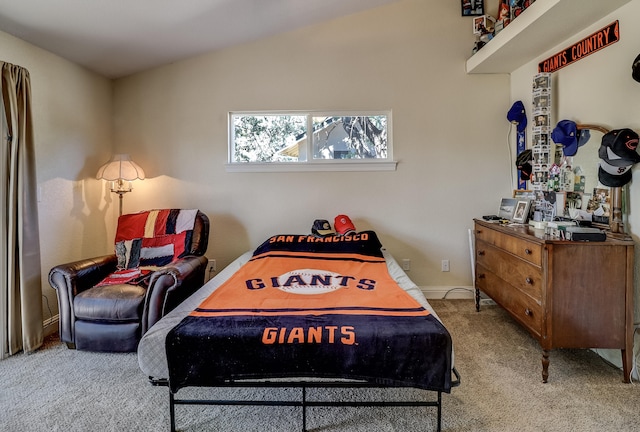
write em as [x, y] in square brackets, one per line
[521, 212]
[507, 208]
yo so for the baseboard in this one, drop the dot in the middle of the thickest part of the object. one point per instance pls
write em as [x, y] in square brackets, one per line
[448, 292]
[50, 325]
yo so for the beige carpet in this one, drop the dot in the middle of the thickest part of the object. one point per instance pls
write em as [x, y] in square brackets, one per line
[56, 389]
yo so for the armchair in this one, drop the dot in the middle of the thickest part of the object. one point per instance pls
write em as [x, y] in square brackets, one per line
[107, 303]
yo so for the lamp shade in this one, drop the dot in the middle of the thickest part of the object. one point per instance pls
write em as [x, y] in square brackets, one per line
[120, 167]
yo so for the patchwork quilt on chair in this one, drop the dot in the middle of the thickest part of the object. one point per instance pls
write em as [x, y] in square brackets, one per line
[148, 240]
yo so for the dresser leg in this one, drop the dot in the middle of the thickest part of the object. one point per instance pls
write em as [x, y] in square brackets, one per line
[545, 365]
[477, 300]
[627, 362]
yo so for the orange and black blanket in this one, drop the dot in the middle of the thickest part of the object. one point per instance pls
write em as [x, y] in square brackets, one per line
[311, 307]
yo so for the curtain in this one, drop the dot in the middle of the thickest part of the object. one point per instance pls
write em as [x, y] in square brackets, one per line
[21, 294]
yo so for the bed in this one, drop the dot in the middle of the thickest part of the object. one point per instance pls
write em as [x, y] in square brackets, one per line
[304, 311]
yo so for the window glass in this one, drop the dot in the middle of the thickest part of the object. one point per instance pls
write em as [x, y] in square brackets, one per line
[339, 137]
[350, 137]
[267, 138]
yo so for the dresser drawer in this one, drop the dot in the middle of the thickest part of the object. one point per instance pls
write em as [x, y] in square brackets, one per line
[523, 308]
[527, 250]
[517, 272]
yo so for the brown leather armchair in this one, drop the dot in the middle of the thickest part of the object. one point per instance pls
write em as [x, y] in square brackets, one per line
[95, 316]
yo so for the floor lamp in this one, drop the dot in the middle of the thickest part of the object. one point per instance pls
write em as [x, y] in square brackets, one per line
[120, 171]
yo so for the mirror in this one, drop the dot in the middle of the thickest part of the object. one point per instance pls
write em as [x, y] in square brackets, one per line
[587, 159]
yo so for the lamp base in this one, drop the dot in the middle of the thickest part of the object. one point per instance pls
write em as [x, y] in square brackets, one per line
[120, 194]
[121, 187]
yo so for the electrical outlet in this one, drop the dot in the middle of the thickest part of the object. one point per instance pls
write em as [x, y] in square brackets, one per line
[406, 264]
[445, 265]
[211, 269]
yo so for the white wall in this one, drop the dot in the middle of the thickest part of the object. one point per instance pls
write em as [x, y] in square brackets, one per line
[599, 89]
[72, 129]
[449, 135]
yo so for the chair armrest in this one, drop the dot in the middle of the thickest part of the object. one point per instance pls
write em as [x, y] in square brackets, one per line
[170, 285]
[81, 275]
[70, 279]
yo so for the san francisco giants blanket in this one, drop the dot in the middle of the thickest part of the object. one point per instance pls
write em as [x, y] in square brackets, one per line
[305, 307]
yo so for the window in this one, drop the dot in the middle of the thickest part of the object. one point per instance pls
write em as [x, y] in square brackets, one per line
[299, 141]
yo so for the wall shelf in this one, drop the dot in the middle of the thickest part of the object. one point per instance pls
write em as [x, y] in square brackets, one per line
[539, 28]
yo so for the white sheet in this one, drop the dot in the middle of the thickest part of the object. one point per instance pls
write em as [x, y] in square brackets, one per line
[152, 357]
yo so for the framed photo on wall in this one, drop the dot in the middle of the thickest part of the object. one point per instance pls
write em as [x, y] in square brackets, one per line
[472, 7]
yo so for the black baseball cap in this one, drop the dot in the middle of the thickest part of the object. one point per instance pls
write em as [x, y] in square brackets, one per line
[618, 148]
[635, 68]
[523, 163]
[322, 228]
[613, 176]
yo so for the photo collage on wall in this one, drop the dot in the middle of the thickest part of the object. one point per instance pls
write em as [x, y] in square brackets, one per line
[542, 148]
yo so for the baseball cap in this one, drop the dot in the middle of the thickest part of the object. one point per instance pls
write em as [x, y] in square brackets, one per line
[321, 228]
[566, 134]
[525, 171]
[618, 147]
[517, 115]
[343, 225]
[523, 163]
[583, 137]
[613, 176]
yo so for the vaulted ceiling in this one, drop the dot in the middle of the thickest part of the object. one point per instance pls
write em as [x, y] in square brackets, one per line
[116, 38]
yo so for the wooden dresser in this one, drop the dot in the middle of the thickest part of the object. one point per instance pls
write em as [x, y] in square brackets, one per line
[566, 294]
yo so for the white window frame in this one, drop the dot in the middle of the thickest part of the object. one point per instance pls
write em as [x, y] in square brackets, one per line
[387, 164]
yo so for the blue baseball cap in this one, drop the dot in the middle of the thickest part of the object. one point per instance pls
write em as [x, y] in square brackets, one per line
[566, 134]
[517, 115]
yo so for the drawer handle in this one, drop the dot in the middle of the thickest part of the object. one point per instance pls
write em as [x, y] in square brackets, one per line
[528, 312]
[528, 251]
[529, 281]
[479, 231]
[481, 276]
[481, 252]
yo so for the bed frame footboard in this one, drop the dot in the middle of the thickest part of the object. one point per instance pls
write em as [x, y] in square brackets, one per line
[303, 402]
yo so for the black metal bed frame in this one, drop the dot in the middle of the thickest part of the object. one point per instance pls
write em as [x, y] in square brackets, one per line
[304, 403]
